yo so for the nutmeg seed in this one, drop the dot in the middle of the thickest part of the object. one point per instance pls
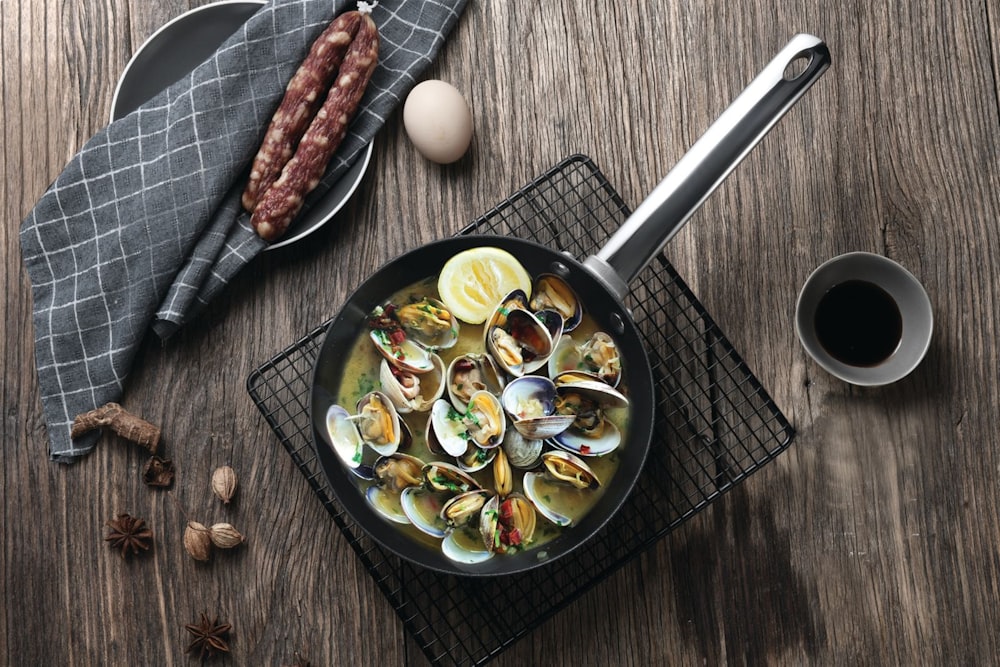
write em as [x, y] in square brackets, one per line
[225, 536]
[224, 483]
[198, 541]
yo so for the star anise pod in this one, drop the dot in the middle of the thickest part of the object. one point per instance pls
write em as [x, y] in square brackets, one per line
[209, 636]
[128, 532]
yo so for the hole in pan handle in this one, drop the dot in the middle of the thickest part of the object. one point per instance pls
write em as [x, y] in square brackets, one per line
[709, 161]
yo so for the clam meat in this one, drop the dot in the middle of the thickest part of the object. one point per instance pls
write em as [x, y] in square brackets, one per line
[470, 373]
[553, 293]
[409, 391]
[429, 323]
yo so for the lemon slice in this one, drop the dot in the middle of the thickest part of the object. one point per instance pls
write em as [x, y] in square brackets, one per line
[473, 282]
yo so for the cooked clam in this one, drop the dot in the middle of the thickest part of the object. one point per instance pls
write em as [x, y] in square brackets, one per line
[484, 420]
[530, 401]
[378, 423]
[588, 415]
[475, 458]
[464, 508]
[409, 391]
[538, 488]
[428, 322]
[470, 373]
[564, 467]
[600, 354]
[556, 492]
[507, 524]
[552, 292]
[553, 323]
[398, 471]
[597, 357]
[503, 476]
[393, 474]
[444, 477]
[516, 300]
[402, 352]
[577, 442]
[521, 345]
[589, 385]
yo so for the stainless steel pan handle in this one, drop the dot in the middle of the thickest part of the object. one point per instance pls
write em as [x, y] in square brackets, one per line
[741, 126]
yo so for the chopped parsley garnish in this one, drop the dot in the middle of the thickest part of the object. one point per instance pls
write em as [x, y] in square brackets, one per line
[365, 384]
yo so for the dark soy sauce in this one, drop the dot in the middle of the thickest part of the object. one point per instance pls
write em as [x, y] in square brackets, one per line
[858, 323]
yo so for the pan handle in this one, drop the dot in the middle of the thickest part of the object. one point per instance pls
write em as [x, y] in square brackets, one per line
[685, 188]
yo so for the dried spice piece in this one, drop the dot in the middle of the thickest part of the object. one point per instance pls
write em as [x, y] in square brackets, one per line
[198, 541]
[225, 536]
[158, 472]
[224, 483]
[210, 636]
[128, 533]
[125, 424]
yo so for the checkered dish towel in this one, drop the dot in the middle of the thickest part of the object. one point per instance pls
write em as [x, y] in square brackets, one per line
[144, 226]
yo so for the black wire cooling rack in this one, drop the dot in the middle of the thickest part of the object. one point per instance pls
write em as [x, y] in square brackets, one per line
[715, 426]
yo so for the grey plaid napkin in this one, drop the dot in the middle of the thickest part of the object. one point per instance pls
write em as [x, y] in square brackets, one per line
[143, 226]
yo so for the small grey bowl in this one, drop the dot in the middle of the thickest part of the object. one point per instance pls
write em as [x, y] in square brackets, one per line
[909, 295]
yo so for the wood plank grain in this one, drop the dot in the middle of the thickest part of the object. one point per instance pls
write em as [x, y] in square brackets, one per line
[872, 540]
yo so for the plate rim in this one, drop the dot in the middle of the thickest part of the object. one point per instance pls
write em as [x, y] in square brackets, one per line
[127, 70]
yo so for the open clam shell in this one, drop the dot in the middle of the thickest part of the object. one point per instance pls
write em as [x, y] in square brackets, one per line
[537, 487]
[569, 469]
[409, 391]
[469, 373]
[423, 508]
[601, 356]
[597, 357]
[387, 504]
[521, 345]
[529, 401]
[446, 430]
[515, 300]
[398, 471]
[554, 323]
[589, 385]
[576, 442]
[428, 322]
[343, 437]
[476, 458]
[405, 354]
[447, 478]
[484, 420]
[378, 423]
[507, 524]
[464, 508]
[465, 546]
[550, 292]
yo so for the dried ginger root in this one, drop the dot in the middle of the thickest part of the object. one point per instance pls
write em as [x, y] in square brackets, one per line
[122, 422]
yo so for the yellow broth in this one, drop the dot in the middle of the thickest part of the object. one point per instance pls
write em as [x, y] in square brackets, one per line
[361, 375]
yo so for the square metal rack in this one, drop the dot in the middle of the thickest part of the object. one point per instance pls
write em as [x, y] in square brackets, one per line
[715, 426]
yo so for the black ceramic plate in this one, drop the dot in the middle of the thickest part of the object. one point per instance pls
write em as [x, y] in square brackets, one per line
[176, 49]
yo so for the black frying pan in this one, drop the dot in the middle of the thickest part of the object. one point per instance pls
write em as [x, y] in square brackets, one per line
[601, 282]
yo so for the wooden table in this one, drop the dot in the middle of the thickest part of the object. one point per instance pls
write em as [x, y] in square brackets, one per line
[873, 539]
